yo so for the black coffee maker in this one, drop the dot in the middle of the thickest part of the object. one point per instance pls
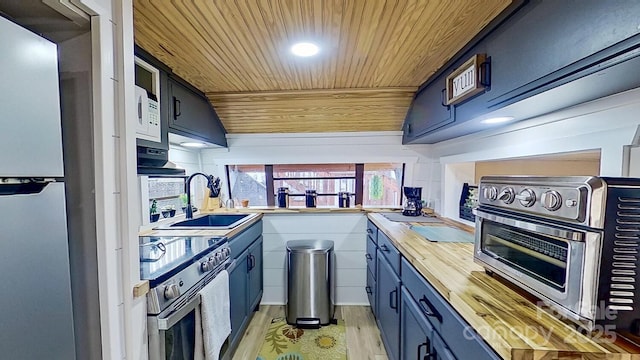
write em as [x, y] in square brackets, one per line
[413, 202]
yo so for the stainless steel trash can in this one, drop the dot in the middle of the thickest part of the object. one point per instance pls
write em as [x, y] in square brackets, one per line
[310, 283]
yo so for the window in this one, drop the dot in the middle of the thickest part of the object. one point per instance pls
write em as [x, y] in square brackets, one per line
[375, 184]
[248, 182]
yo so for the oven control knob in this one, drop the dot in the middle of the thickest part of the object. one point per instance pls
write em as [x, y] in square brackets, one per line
[490, 193]
[551, 200]
[507, 195]
[171, 291]
[205, 266]
[219, 257]
[213, 261]
[526, 197]
[227, 252]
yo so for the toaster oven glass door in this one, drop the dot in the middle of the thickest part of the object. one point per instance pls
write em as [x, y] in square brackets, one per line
[551, 260]
[542, 257]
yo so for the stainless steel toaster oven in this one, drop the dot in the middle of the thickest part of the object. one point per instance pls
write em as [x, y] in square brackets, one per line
[571, 241]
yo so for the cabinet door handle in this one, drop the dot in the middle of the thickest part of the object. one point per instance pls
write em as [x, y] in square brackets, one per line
[393, 299]
[428, 310]
[248, 263]
[368, 256]
[176, 108]
[253, 261]
[427, 354]
[368, 290]
[443, 100]
[369, 231]
[384, 248]
[485, 73]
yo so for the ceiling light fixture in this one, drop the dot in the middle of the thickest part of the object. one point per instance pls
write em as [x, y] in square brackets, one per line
[193, 144]
[305, 49]
[497, 120]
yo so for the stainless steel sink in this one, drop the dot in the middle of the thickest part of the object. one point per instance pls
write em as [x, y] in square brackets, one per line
[211, 222]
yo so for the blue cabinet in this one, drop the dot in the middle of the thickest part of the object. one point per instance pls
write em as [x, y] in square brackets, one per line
[254, 274]
[371, 257]
[546, 56]
[191, 114]
[461, 340]
[245, 279]
[388, 303]
[238, 296]
[416, 331]
[427, 112]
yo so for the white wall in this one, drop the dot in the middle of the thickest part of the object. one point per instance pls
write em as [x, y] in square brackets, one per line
[608, 124]
[316, 148]
[347, 231]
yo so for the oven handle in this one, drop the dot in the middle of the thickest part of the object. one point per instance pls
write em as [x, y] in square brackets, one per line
[166, 323]
[539, 228]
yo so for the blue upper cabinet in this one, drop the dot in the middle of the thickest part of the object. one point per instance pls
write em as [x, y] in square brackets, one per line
[554, 53]
[191, 114]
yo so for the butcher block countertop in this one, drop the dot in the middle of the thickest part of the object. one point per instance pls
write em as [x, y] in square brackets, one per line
[509, 321]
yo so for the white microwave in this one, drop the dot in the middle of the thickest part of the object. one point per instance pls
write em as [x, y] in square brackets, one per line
[147, 116]
[147, 92]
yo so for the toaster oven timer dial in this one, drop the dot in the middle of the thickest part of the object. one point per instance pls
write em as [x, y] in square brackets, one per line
[507, 195]
[526, 197]
[490, 193]
[551, 200]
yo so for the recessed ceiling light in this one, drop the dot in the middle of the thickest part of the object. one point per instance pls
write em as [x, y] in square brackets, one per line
[193, 144]
[497, 120]
[305, 49]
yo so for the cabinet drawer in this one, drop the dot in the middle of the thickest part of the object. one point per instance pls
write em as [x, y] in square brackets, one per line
[371, 257]
[457, 334]
[389, 251]
[371, 291]
[372, 232]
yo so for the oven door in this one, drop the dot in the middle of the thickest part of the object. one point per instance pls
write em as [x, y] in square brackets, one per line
[559, 264]
[172, 335]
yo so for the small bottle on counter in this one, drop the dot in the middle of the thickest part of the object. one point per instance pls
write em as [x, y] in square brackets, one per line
[343, 199]
[283, 197]
[310, 198]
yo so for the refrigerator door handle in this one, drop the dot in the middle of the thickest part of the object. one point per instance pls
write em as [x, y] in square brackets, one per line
[10, 187]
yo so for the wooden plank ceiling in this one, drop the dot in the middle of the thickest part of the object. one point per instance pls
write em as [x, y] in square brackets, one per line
[374, 54]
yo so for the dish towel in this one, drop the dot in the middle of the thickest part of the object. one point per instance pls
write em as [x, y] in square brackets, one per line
[213, 321]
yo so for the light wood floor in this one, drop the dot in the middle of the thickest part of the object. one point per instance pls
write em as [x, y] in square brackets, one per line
[363, 336]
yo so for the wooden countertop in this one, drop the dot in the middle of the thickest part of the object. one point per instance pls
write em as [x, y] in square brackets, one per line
[509, 322]
[149, 230]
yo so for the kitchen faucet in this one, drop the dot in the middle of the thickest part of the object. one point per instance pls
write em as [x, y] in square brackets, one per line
[189, 210]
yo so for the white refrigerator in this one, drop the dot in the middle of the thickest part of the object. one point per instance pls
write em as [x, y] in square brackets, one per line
[37, 312]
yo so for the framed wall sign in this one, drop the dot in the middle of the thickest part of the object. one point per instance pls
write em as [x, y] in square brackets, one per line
[466, 80]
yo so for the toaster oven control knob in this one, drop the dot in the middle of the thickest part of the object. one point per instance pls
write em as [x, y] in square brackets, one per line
[507, 195]
[171, 291]
[490, 193]
[551, 200]
[526, 197]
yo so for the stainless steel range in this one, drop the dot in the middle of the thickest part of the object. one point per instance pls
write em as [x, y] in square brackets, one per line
[571, 241]
[177, 269]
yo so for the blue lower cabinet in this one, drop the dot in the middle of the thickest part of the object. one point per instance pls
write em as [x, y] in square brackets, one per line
[440, 351]
[371, 292]
[416, 331]
[254, 274]
[388, 306]
[238, 295]
[456, 335]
